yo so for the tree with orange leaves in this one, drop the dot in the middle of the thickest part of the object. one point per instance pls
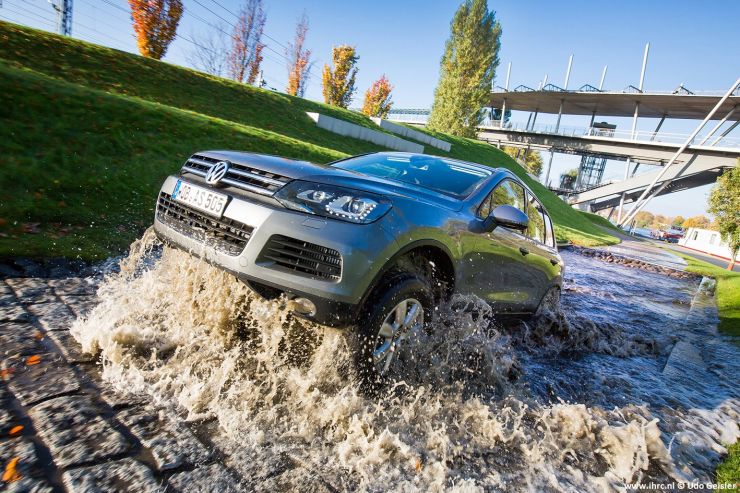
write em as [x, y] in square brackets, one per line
[245, 56]
[155, 24]
[378, 100]
[299, 60]
[339, 84]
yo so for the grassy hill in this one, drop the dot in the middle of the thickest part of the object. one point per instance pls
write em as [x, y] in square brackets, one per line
[89, 133]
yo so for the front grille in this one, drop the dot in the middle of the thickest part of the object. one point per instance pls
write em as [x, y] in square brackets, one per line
[225, 235]
[239, 175]
[303, 257]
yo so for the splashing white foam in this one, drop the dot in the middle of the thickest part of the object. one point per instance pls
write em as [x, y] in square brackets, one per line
[289, 416]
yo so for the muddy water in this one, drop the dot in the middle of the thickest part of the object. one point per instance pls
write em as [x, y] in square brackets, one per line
[629, 382]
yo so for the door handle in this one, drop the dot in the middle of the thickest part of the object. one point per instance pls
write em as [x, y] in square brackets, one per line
[523, 251]
[554, 262]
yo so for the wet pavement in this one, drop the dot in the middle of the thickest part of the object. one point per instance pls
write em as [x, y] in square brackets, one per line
[63, 427]
[174, 377]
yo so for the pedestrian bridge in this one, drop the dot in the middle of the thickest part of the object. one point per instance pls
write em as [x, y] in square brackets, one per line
[704, 158]
[698, 165]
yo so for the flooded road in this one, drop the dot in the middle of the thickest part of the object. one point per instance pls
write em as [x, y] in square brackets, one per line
[628, 383]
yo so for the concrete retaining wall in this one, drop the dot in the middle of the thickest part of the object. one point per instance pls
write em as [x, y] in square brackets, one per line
[412, 134]
[342, 127]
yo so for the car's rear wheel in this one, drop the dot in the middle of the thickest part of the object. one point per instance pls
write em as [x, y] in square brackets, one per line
[400, 309]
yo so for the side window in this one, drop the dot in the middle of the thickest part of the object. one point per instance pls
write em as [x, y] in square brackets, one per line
[549, 231]
[506, 193]
[536, 229]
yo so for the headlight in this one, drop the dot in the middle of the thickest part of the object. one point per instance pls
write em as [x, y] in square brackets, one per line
[330, 201]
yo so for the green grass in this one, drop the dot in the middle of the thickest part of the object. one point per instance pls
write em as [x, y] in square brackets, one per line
[602, 221]
[729, 470]
[727, 292]
[89, 133]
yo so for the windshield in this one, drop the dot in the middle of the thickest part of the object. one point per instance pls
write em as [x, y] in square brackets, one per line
[439, 174]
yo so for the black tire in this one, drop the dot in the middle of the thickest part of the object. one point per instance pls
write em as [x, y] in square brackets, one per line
[396, 288]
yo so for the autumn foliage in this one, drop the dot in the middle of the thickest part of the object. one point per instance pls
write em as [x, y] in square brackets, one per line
[299, 60]
[11, 473]
[155, 24]
[339, 83]
[378, 98]
[245, 55]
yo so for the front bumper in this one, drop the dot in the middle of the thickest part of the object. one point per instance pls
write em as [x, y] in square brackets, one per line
[362, 249]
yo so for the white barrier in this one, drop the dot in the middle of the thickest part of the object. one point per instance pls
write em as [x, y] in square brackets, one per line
[342, 127]
[412, 134]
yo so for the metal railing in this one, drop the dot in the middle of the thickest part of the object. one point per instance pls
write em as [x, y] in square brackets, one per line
[420, 116]
[640, 136]
[626, 90]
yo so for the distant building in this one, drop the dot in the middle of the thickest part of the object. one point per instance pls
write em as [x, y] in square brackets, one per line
[707, 241]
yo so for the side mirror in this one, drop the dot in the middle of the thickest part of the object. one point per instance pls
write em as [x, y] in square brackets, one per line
[508, 217]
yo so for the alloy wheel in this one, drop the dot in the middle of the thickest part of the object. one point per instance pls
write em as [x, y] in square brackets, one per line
[404, 319]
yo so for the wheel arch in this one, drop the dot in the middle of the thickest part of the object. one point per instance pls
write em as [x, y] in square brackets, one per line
[435, 252]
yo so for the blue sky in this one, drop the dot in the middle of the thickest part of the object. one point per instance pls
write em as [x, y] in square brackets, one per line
[693, 43]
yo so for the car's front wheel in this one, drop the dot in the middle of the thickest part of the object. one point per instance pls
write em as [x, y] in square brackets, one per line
[401, 308]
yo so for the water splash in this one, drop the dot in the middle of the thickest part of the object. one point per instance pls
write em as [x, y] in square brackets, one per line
[464, 413]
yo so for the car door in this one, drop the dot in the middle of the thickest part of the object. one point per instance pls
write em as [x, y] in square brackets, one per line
[542, 256]
[496, 269]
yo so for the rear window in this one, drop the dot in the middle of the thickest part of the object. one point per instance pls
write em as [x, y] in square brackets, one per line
[549, 233]
[441, 175]
[536, 228]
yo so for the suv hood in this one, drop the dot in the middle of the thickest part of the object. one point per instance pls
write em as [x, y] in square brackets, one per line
[323, 173]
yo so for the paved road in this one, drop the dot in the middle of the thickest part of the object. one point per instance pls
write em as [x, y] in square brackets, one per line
[701, 256]
[61, 429]
[639, 247]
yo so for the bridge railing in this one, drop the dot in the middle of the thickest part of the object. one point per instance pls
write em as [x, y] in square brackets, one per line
[420, 117]
[640, 135]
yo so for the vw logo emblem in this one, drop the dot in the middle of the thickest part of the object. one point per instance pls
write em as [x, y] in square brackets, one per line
[217, 172]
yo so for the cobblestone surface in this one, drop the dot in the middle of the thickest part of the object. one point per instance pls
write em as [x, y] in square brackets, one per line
[207, 479]
[172, 445]
[62, 429]
[126, 475]
[74, 431]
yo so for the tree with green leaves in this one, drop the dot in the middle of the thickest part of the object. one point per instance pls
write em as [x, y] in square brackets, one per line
[644, 219]
[678, 221]
[467, 70]
[724, 203]
[339, 83]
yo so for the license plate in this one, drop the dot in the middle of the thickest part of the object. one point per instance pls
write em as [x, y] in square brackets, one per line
[204, 200]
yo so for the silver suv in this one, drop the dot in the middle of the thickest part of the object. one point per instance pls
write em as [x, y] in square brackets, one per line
[373, 241]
